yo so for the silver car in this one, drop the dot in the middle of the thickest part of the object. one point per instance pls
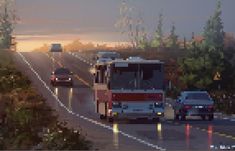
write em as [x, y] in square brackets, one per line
[194, 103]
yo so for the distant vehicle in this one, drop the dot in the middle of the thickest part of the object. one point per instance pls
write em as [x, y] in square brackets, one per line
[100, 60]
[134, 58]
[194, 103]
[129, 89]
[107, 55]
[61, 76]
[56, 48]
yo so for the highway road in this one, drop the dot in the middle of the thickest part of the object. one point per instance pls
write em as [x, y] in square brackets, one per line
[76, 106]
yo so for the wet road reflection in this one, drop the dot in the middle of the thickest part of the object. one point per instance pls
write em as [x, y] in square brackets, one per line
[116, 136]
[210, 132]
[56, 91]
[159, 131]
[187, 135]
[70, 99]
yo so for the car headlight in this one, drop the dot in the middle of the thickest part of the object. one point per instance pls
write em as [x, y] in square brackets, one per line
[70, 79]
[56, 79]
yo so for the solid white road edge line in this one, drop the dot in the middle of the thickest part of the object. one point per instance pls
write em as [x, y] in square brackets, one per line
[85, 118]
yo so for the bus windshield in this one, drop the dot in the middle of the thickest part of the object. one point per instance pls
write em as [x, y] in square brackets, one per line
[137, 76]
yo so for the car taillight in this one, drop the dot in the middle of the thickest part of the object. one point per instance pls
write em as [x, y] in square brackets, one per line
[187, 107]
[210, 107]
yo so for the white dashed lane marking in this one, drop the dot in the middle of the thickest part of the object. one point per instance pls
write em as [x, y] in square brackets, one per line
[81, 58]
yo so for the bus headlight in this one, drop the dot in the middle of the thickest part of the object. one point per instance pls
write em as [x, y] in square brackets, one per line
[117, 104]
[159, 105]
[110, 111]
[115, 114]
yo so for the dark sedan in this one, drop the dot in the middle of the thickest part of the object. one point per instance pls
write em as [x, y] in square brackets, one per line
[61, 76]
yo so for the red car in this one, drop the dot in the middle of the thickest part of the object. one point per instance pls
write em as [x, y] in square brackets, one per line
[62, 76]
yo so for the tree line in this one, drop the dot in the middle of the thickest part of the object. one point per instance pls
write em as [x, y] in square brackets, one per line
[7, 21]
[204, 59]
[131, 23]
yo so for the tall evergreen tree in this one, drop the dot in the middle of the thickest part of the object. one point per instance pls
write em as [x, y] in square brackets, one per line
[204, 60]
[158, 35]
[213, 31]
[173, 39]
[214, 40]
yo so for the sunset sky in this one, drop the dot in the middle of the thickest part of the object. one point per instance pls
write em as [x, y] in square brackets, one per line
[48, 21]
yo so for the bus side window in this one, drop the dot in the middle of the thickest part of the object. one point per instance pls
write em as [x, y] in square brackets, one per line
[101, 76]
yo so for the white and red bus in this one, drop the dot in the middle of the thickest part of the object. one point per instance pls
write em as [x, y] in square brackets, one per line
[129, 89]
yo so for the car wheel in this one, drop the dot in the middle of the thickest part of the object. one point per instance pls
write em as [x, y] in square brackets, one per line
[176, 116]
[156, 120]
[182, 117]
[210, 117]
[53, 83]
[203, 117]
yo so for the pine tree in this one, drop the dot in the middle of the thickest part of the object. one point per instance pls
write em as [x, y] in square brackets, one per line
[204, 60]
[213, 31]
[173, 39]
[158, 36]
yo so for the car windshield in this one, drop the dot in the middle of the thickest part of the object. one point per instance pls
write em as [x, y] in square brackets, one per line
[197, 96]
[62, 71]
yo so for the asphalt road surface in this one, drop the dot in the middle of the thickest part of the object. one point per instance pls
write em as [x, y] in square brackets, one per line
[76, 106]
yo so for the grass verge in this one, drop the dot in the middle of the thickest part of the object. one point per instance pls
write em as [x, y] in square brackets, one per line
[26, 121]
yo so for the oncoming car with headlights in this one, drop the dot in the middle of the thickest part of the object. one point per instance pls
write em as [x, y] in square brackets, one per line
[61, 76]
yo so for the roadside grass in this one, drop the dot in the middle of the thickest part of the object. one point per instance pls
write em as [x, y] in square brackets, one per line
[26, 121]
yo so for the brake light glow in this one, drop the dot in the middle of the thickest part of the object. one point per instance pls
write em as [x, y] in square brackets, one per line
[210, 107]
[187, 107]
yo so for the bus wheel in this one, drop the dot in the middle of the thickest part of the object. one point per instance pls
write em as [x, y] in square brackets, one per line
[110, 119]
[102, 117]
[156, 120]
